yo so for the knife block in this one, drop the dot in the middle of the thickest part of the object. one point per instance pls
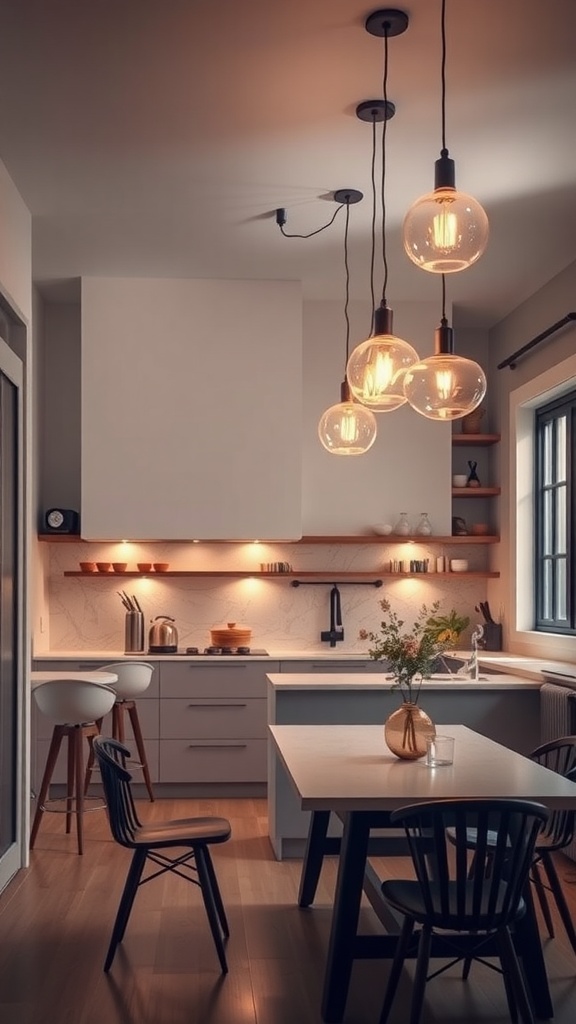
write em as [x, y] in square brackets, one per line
[134, 633]
[492, 639]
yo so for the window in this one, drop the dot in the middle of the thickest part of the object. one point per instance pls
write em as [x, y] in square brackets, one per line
[555, 543]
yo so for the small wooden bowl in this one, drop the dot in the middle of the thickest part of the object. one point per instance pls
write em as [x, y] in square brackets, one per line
[119, 566]
[161, 566]
[88, 566]
[479, 529]
[103, 566]
[144, 566]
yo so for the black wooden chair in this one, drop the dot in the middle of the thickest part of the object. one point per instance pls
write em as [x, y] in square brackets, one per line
[559, 756]
[150, 842]
[471, 917]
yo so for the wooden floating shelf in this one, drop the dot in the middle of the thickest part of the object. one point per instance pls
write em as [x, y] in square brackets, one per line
[475, 492]
[369, 538]
[256, 574]
[480, 440]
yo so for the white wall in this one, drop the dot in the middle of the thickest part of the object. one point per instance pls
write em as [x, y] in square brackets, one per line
[15, 247]
[508, 388]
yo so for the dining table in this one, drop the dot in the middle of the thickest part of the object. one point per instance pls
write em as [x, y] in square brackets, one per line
[347, 771]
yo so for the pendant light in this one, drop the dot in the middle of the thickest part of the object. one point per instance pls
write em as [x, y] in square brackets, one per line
[445, 386]
[376, 368]
[446, 230]
[347, 428]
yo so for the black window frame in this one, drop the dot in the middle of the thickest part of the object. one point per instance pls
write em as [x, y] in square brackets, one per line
[559, 595]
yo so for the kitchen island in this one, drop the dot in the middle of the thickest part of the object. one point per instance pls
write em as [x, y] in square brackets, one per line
[505, 708]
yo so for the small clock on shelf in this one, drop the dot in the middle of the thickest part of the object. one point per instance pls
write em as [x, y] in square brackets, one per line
[61, 520]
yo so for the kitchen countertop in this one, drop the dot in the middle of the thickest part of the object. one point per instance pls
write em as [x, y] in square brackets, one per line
[363, 681]
[511, 665]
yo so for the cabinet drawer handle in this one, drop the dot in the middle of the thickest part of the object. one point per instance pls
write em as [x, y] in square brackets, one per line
[235, 665]
[214, 746]
[348, 665]
[209, 704]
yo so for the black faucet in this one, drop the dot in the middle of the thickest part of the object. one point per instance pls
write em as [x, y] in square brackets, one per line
[336, 631]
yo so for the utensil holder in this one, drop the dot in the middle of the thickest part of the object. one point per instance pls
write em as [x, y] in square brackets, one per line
[134, 633]
[492, 639]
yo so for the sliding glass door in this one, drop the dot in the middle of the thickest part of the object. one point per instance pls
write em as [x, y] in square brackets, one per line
[11, 611]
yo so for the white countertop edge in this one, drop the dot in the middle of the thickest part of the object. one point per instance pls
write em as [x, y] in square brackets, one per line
[363, 681]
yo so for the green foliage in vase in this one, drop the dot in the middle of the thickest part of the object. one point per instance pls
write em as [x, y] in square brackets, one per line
[411, 654]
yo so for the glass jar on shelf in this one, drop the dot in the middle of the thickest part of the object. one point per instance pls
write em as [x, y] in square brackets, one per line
[424, 527]
[402, 527]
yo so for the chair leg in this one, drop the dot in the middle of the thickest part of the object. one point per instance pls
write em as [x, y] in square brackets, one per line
[135, 721]
[209, 904]
[77, 740]
[558, 894]
[70, 777]
[90, 761]
[58, 734]
[216, 893]
[511, 967]
[421, 974]
[126, 902]
[396, 968]
[536, 879]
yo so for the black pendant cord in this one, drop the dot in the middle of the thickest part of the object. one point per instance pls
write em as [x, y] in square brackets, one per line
[444, 320]
[383, 179]
[373, 226]
[347, 285]
[281, 220]
[443, 77]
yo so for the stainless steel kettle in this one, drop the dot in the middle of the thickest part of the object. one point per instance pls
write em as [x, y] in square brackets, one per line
[163, 636]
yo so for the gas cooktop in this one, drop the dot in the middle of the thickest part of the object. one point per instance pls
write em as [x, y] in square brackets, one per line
[223, 652]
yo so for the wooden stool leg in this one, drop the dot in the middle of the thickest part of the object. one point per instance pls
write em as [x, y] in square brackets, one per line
[58, 734]
[90, 761]
[118, 731]
[135, 721]
[70, 777]
[79, 787]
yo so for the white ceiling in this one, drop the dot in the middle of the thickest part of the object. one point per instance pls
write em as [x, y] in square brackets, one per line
[157, 138]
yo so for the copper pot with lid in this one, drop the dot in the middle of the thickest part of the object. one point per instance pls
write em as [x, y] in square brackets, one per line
[231, 635]
[163, 636]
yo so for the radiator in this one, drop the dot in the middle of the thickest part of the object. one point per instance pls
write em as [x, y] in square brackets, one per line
[558, 718]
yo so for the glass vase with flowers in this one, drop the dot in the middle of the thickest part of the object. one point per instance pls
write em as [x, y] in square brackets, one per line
[410, 655]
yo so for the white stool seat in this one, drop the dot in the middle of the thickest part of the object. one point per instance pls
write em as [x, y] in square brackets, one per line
[132, 679]
[75, 705]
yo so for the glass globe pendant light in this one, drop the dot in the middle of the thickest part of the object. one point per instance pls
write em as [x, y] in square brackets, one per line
[446, 230]
[444, 386]
[376, 368]
[347, 428]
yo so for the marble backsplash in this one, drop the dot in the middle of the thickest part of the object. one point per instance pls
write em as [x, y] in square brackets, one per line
[86, 613]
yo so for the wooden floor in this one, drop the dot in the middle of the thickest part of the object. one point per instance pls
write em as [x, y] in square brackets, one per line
[56, 917]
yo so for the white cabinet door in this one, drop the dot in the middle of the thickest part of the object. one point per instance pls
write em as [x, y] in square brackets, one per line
[191, 409]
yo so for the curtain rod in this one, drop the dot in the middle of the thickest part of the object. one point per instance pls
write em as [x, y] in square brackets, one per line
[511, 360]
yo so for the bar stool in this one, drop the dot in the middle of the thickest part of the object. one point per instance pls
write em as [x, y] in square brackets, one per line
[75, 705]
[134, 678]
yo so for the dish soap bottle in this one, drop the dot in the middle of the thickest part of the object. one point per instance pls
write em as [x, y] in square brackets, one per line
[424, 527]
[402, 527]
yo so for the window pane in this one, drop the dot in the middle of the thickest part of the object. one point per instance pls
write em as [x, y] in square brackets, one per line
[560, 589]
[560, 544]
[547, 535]
[547, 589]
[547, 449]
[561, 449]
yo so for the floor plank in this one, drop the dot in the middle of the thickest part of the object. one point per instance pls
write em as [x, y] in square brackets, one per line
[56, 917]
